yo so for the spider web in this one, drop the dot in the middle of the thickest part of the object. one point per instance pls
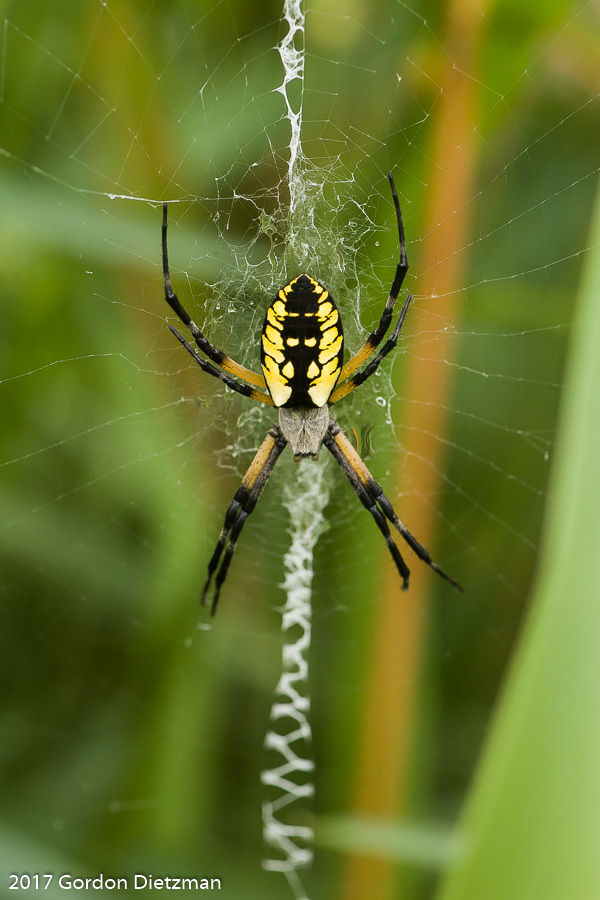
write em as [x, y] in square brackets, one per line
[134, 726]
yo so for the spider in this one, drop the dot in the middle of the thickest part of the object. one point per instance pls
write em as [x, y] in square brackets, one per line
[302, 352]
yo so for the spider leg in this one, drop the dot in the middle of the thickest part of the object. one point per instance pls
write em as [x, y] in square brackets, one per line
[372, 367]
[364, 484]
[244, 389]
[245, 499]
[410, 539]
[376, 336]
[214, 354]
[369, 503]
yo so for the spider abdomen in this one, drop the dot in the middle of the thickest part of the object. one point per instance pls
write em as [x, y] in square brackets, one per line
[302, 346]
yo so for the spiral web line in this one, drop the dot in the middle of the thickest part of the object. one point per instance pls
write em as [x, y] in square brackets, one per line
[290, 737]
[305, 499]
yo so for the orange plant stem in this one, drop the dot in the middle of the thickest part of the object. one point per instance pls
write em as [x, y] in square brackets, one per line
[384, 759]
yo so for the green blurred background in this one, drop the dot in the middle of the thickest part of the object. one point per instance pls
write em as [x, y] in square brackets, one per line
[132, 727]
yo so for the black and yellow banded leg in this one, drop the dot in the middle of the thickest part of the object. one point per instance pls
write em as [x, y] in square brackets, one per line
[244, 389]
[214, 354]
[368, 502]
[245, 499]
[363, 483]
[377, 335]
[412, 542]
[372, 367]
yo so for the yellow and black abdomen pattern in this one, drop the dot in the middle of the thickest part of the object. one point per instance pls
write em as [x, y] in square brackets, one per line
[302, 345]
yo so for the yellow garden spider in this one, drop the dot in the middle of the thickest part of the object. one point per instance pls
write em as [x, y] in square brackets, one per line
[302, 353]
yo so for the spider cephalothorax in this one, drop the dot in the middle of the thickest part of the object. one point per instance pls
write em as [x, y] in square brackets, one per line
[302, 359]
